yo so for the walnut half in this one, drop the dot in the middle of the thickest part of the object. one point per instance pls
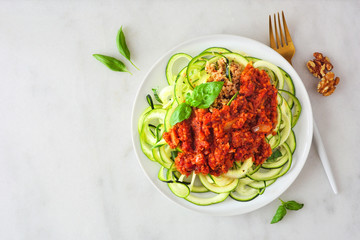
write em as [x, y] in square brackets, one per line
[316, 68]
[323, 60]
[328, 83]
[318, 65]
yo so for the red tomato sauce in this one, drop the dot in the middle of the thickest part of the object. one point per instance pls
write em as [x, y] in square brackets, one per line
[212, 141]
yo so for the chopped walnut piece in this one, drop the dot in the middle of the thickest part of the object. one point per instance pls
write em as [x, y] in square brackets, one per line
[327, 85]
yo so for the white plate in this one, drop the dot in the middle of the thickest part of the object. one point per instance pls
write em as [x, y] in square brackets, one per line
[303, 129]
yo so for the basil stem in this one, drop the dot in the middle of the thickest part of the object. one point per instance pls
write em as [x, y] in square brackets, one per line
[112, 63]
[122, 46]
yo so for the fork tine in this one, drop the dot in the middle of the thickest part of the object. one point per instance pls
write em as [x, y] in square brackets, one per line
[281, 33]
[277, 34]
[287, 34]
[271, 34]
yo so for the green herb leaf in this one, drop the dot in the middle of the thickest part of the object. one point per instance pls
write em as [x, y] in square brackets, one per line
[156, 95]
[181, 112]
[293, 205]
[274, 156]
[112, 63]
[204, 94]
[280, 213]
[122, 46]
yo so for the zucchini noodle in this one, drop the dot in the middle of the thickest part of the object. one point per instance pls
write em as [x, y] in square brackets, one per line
[244, 180]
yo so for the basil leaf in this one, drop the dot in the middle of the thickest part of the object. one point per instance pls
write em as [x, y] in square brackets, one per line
[293, 205]
[280, 213]
[189, 99]
[181, 112]
[274, 156]
[204, 94]
[156, 95]
[122, 46]
[112, 63]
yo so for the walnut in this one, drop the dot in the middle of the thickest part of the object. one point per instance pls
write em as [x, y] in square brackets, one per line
[318, 65]
[323, 60]
[315, 68]
[328, 83]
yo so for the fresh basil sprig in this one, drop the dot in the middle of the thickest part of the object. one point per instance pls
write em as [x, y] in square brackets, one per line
[204, 94]
[202, 97]
[122, 46]
[112, 63]
[181, 112]
[281, 211]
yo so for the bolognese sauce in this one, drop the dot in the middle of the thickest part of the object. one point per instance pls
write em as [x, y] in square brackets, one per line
[212, 139]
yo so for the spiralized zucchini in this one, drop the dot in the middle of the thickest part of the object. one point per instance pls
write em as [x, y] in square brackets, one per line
[244, 181]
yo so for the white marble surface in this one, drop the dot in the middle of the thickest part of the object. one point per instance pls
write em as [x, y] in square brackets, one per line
[67, 165]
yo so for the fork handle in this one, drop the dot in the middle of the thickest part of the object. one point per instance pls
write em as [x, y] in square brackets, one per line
[323, 157]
